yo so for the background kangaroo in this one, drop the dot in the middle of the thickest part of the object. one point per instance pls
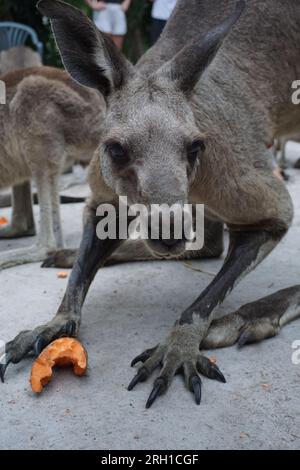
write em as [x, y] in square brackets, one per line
[48, 123]
[191, 122]
[20, 57]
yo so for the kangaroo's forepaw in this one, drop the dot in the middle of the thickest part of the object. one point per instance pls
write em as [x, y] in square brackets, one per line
[179, 353]
[35, 341]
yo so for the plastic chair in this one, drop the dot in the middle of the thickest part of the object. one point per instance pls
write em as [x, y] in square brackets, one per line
[16, 34]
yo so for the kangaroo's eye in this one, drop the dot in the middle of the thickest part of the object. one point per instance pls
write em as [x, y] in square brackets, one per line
[194, 149]
[117, 153]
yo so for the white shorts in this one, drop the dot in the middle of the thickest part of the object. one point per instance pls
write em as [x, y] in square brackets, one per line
[111, 20]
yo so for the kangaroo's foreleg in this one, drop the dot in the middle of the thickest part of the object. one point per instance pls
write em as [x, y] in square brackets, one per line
[22, 222]
[180, 350]
[92, 254]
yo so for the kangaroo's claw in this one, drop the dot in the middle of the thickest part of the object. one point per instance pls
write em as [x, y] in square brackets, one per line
[158, 389]
[141, 376]
[4, 362]
[196, 386]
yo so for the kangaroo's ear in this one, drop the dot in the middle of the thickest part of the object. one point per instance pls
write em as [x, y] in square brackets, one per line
[186, 68]
[88, 55]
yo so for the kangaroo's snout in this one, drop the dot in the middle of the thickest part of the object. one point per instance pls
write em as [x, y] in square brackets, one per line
[167, 230]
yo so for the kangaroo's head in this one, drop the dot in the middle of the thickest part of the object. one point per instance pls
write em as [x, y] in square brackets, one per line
[150, 145]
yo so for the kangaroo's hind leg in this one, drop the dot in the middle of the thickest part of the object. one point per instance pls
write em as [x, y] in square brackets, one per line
[46, 239]
[255, 321]
[137, 250]
[55, 207]
[22, 223]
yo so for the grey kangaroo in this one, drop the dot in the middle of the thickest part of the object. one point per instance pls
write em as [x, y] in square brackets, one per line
[190, 122]
[48, 123]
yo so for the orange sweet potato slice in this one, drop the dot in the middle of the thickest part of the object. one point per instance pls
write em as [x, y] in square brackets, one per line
[3, 221]
[61, 352]
[62, 275]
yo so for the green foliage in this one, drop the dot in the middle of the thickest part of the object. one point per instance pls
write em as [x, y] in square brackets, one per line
[24, 11]
[137, 40]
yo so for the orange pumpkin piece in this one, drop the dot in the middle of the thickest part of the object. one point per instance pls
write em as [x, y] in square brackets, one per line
[3, 221]
[61, 352]
[62, 275]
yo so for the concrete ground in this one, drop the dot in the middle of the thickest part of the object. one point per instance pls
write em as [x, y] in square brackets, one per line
[129, 308]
